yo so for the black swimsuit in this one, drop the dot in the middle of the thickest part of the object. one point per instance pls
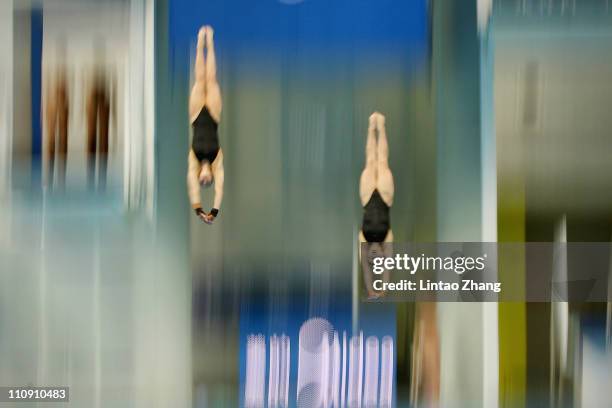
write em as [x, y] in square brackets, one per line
[205, 143]
[376, 219]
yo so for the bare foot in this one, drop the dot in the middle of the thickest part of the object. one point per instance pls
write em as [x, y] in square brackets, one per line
[209, 32]
[381, 121]
[202, 35]
[373, 120]
[373, 295]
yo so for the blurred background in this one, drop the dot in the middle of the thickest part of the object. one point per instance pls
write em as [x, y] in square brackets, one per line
[498, 131]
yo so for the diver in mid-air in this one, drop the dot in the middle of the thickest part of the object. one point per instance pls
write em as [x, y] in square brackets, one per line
[205, 156]
[376, 192]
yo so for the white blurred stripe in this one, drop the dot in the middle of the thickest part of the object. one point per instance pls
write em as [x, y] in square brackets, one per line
[6, 96]
[325, 360]
[335, 383]
[355, 278]
[370, 388]
[273, 372]
[285, 368]
[139, 111]
[360, 377]
[313, 363]
[386, 373]
[344, 364]
[255, 371]
[484, 9]
[355, 379]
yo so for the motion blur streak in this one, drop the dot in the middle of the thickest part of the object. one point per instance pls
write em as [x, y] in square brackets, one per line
[497, 114]
[89, 293]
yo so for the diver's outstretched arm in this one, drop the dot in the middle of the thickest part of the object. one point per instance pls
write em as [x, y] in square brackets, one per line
[193, 184]
[219, 173]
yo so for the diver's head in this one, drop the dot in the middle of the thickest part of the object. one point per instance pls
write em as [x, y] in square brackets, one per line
[206, 174]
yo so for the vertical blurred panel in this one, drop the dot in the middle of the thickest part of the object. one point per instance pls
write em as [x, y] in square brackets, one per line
[149, 100]
[252, 142]
[596, 371]
[36, 44]
[85, 301]
[511, 197]
[164, 281]
[511, 228]
[488, 155]
[386, 370]
[355, 377]
[456, 67]
[255, 371]
[22, 96]
[370, 387]
[559, 324]
[6, 99]
[6, 137]
[92, 44]
[552, 97]
[139, 146]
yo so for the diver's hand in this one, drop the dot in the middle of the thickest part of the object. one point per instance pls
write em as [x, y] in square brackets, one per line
[200, 213]
[209, 219]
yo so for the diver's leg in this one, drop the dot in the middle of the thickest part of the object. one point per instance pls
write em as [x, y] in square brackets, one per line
[367, 182]
[213, 92]
[388, 251]
[366, 267]
[384, 182]
[197, 98]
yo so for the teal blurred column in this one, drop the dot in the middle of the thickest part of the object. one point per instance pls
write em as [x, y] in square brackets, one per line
[456, 82]
[488, 153]
[163, 376]
[6, 97]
